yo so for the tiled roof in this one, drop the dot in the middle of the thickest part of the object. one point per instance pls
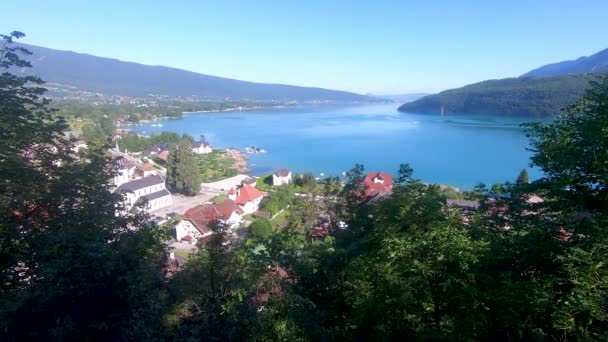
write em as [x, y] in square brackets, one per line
[146, 167]
[282, 172]
[373, 188]
[248, 194]
[140, 183]
[201, 216]
[227, 207]
[157, 194]
[463, 203]
[387, 177]
[123, 163]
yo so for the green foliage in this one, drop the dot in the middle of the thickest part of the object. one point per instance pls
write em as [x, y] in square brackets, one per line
[219, 198]
[134, 142]
[215, 166]
[261, 227]
[523, 179]
[524, 96]
[70, 268]
[182, 172]
[280, 198]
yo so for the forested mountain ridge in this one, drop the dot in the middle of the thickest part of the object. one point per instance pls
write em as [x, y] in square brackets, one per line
[523, 96]
[587, 64]
[114, 77]
[541, 92]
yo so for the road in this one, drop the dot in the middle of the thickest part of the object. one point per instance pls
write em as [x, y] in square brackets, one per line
[182, 203]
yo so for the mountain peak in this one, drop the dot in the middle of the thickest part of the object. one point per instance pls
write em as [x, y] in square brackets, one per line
[587, 64]
[110, 76]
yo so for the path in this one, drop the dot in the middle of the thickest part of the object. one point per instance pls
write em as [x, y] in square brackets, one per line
[182, 203]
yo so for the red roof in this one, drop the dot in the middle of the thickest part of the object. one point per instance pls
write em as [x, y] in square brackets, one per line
[201, 216]
[374, 188]
[248, 194]
[227, 207]
[164, 155]
[387, 177]
[231, 191]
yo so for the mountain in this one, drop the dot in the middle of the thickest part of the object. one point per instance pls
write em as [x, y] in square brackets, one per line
[523, 96]
[114, 77]
[402, 98]
[591, 64]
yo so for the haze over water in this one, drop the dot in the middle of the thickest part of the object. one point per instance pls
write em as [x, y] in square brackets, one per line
[456, 150]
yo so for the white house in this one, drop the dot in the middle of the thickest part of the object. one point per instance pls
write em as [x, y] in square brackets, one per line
[125, 170]
[79, 145]
[281, 176]
[249, 198]
[151, 189]
[195, 223]
[201, 147]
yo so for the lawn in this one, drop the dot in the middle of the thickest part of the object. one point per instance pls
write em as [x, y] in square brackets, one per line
[264, 183]
[219, 198]
[280, 218]
[215, 166]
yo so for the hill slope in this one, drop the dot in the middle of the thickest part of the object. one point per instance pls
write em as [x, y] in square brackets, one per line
[525, 96]
[113, 77]
[594, 63]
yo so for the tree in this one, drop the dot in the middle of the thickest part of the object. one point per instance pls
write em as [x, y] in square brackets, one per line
[523, 179]
[573, 154]
[261, 227]
[70, 268]
[183, 175]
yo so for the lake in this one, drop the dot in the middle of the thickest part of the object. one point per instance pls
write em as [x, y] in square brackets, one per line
[457, 150]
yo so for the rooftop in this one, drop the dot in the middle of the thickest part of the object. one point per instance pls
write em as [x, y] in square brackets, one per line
[140, 183]
[282, 172]
[248, 194]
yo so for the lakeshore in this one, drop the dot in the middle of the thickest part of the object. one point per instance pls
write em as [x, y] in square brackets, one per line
[460, 151]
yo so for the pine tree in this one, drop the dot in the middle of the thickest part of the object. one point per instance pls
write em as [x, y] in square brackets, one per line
[522, 179]
[183, 175]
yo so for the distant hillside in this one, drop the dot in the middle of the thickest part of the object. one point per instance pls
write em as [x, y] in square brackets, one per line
[594, 63]
[402, 98]
[113, 77]
[525, 96]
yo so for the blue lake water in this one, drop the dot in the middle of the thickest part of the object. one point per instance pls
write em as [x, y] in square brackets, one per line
[457, 150]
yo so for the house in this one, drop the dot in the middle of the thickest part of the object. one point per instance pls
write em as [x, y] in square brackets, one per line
[463, 204]
[196, 221]
[378, 183]
[146, 170]
[249, 198]
[79, 145]
[201, 147]
[281, 177]
[156, 149]
[150, 189]
[230, 212]
[124, 168]
[164, 156]
[249, 181]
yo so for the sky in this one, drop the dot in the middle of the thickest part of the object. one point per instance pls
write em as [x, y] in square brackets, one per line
[364, 46]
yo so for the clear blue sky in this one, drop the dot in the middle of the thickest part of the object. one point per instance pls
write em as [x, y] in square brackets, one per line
[361, 46]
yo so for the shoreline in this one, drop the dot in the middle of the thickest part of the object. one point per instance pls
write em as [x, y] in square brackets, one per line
[240, 160]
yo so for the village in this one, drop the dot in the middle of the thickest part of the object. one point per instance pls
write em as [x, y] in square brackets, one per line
[235, 201]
